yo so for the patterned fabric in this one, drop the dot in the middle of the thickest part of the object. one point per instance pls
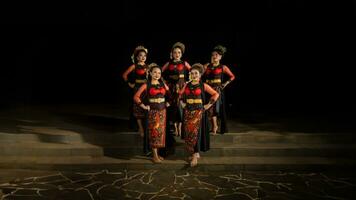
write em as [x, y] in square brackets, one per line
[192, 123]
[157, 128]
[195, 124]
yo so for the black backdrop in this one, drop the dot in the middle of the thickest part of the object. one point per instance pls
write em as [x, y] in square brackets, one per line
[288, 56]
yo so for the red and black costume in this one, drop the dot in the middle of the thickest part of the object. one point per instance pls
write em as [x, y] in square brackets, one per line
[138, 76]
[175, 75]
[156, 116]
[195, 125]
[214, 76]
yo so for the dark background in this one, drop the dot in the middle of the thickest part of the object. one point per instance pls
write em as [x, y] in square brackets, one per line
[288, 56]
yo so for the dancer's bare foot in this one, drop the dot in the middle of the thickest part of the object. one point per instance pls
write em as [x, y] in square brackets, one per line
[141, 132]
[156, 160]
[179, 132]
[180, 129]
[161, 158]
[194, 162]
[215, 129]
[176, 129]
[197, 156]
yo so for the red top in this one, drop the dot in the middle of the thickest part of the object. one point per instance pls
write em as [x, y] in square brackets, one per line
[180, 66]
[224, 70]
[152, 92]
[140, 71]
[196, 91]
[214, 94]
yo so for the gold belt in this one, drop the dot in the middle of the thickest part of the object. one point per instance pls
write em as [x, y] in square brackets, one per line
[191, 101]
[140, 80]
[176, 76]
[156, 100]
[214, 81]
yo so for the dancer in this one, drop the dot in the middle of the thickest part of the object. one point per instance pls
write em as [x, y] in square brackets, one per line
[139, 70]
[175, 74]
[192, 99]
[156, 90]
[213, 76]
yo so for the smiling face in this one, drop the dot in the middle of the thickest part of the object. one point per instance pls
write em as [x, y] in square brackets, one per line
[195, 75]
[141, 57]
[156, 73]
[215, 57]
[177, 53]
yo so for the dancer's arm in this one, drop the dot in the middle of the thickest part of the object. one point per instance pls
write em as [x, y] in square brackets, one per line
[228, 72]
[214, 96]
[137, 98]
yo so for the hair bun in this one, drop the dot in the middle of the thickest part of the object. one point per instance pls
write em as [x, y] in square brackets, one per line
[198, 67]
[179, 45]
[153, 65]
[220, 49]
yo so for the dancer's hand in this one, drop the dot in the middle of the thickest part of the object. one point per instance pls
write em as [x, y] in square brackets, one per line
[177, 88]
[145, 107]
[183, 104]
[167, 104]
[223, 86]
[131, 85]
[141, 133]
[207, 106]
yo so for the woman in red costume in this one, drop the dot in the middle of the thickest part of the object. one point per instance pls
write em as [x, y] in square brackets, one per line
[213, 76]
[138, 70]
[192, 99]
[175, 74]
[155, 90]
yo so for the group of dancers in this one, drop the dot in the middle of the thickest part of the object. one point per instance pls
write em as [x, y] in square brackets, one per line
[190, 99]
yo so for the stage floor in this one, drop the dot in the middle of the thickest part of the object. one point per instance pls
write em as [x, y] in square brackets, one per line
[78, 152]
